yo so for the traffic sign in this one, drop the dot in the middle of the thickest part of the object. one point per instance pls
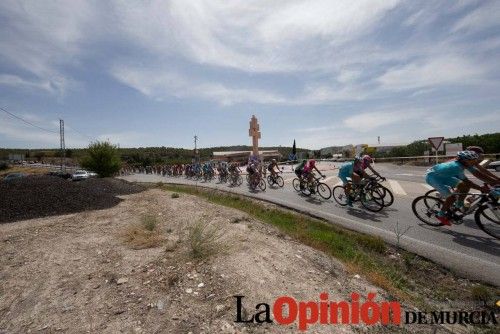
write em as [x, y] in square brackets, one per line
[436, 142]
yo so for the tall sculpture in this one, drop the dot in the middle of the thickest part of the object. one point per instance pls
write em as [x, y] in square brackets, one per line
[255, 134]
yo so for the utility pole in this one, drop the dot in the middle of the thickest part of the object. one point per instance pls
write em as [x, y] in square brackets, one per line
[196, 148]
[63, 145]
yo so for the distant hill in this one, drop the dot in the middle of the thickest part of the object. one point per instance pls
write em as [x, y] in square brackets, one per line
[143, 155]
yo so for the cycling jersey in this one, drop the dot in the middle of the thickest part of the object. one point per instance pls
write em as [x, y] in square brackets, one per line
[308, 168]
[346, 171]
[299, 168]
[446, 175]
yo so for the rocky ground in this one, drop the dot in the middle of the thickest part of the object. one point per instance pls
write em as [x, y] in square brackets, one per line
[75, 273]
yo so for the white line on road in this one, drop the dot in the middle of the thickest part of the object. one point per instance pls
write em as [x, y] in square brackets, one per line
[398, 190]
[427, 186]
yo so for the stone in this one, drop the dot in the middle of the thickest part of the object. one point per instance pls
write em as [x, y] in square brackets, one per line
[122, 280]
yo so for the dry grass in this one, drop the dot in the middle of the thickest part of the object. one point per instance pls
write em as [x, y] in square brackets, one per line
[145, 234]
[205, 240]
[25, 170]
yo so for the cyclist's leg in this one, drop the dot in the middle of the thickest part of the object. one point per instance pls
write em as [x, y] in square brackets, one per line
[443, 186]
[462, 188]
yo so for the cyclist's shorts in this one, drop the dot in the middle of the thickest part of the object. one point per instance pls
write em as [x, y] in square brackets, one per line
[345, 172]
[442, 184]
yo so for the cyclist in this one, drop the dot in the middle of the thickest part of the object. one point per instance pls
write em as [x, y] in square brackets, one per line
[222, 168]
[234, 168]
[356, 171]
[298, 170]
[271, 168]
[448, 175]
[308, 172]
[479, 171]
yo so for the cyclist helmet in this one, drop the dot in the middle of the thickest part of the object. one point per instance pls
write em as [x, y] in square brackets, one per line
[477, 149]
[467, 155]
[367, 159]
[312, 163]
[273, 161]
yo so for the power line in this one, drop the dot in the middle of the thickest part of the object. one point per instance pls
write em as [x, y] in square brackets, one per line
[25, 121]
[80, 133]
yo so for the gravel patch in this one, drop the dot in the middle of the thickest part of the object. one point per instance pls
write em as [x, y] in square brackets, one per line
[42, 196]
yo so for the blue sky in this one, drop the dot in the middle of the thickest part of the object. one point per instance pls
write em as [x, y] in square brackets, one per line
[324, 72]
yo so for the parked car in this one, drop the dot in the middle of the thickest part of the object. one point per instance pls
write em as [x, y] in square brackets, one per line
[13, 176]
[80, 175]
[494, 165]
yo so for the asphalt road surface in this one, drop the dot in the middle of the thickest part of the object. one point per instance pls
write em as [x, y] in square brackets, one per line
[463, 248]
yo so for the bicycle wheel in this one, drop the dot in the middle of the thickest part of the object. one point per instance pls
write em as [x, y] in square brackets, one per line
[370, 203]
[339, 196]
[262, 184]
[324, 190]
[296, 184]
[388, 196]
[487, 218]
[425, 209]
[279, 181]
[378, 194]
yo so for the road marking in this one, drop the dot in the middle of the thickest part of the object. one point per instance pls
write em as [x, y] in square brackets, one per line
[396, 187]
[427, 186]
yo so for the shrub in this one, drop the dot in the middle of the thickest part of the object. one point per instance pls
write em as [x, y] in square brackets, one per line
[175, 195]
[4, 165]
[480, 293]
[205, 240]
[102, 158]
[144, 235]
[149, 222]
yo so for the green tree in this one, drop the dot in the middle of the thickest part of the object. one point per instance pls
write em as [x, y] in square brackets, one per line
[102, 158]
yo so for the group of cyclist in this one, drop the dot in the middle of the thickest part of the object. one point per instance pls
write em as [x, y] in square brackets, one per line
[448, 178]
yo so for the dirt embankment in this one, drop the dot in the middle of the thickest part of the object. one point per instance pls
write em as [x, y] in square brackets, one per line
[75, 273]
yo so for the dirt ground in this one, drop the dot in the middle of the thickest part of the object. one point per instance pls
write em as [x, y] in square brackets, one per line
[74, 273]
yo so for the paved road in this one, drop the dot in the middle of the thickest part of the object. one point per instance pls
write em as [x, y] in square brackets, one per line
[463, 248]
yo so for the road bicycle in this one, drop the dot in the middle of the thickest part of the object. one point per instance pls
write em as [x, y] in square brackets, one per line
[257, 181]
[370, 193]
[315, 186]
[223, 177]
[386, 196]
[484, 206]
[235, 179]
[275, 180]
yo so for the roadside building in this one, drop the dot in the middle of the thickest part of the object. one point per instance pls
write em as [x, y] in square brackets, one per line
[242, 156]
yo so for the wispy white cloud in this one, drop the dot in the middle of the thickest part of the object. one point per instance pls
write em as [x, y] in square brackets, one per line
[450, 70]
[485, 16]
[18, 82]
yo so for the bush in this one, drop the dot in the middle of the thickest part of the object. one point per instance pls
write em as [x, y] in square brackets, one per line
[102, 158]
[149, 222]
[175, 195]
[4, 166]
[144, 235]
[205, 240]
